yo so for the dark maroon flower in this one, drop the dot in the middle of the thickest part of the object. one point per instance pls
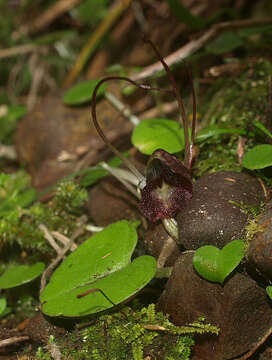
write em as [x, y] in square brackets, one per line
[168, 186]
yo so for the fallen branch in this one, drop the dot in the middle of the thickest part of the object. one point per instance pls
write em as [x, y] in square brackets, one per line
[197, 44]
[47, 17]
[18, 50]
[13, 340]
[47, 272]
[8, 152]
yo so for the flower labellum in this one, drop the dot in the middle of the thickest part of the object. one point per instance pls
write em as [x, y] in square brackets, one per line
[168, 186]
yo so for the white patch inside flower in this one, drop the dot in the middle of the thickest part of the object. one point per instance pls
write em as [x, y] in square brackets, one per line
[164, 192]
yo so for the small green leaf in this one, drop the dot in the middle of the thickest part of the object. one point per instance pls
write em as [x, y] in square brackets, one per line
[3, 305]
[21, 274]
[258, 158]
[214, 264]
[261, 127]
[8, 122]
[213, 130]
[255, 30]
[83, 92]
[269, 291]
[153, 134]
[184, 15]
[225, 42]
[26, 198]
[102, 261]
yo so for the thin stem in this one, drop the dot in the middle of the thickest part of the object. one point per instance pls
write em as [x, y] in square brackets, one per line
[194, 117]
[171, 226]
[180, 103]
[100, 131]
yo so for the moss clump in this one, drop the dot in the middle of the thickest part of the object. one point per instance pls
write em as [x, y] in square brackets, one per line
[137, 335]
[237, 103]
[19, 220]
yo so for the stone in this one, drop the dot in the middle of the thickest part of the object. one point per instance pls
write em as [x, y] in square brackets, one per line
[53, 138]
[213, 215]
[259, 254]
[240, 308]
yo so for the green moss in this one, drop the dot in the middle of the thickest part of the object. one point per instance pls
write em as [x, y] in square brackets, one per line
[233, 102]
[19, 224]
[131, 337]
[136, 335]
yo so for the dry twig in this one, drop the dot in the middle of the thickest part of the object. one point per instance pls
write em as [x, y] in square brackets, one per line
[196, 44]
[47, 17]
[17, 50]
[13, 340]
[47, 272]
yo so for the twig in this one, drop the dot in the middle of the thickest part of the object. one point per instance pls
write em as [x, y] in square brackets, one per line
[165, 108]
[47, 17]
[117, 9]
[53, 264]
[196, 44]
[17, 50]
[37, 77]
[50, 238]
[8, 152]
[13, 340]
[63, 239]
[122, 108]
[47, 272]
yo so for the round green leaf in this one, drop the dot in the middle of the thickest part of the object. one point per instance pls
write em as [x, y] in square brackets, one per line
[118, 286]
[227, 41]
[3, 305]
[83, 92]
[97, 259]
[214, 264]
[258, 158]
[21, 274]
[153, 134]
[269, 291]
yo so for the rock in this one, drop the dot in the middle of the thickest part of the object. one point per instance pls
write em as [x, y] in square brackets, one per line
[210, 218]
[259, 254]
[109, 201]
[240, 309]
[53, 138]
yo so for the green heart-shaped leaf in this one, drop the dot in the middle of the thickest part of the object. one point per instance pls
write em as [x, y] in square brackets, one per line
[258, 158]
[82, 92]
[269, 291]
[21, 274]
[214, 264]
[153, 134]
[102, 261]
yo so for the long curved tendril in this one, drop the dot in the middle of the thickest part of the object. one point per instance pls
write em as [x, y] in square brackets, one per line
[100, 131]
[194, 117]
[180, 103]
